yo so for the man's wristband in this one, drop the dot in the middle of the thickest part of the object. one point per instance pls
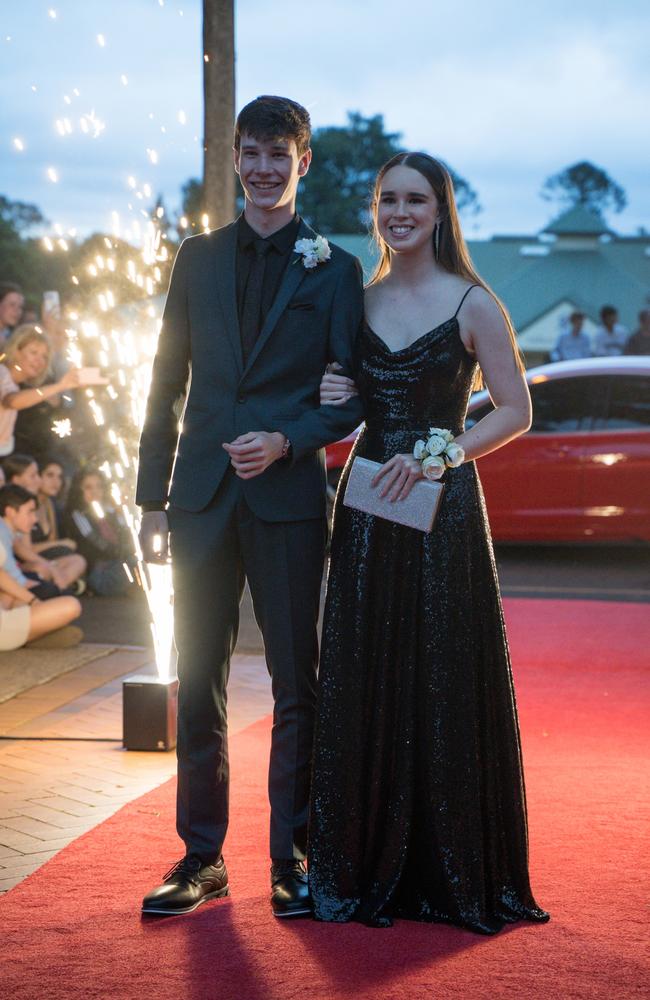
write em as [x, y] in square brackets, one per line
[286, 450]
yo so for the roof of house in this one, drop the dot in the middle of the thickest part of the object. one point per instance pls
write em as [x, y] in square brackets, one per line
[578, 221]
[532, 274]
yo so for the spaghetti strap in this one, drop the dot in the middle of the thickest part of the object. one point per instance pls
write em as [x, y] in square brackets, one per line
[463, 299]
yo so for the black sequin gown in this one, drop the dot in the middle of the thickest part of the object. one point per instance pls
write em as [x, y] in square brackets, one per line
[418, 802]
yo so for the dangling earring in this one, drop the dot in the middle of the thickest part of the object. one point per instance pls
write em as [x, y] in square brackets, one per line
[436, 241]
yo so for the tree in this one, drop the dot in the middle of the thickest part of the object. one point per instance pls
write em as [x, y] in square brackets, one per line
[336, 194]
[24, 260]
[160, 217]
[219, 110]
[586, 185]
[19, 216]
[191, 206]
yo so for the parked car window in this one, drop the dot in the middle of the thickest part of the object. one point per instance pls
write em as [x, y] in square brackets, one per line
[567, 404]
[629, 403]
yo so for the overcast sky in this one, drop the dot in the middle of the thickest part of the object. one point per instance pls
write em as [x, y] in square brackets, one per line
[506, 92]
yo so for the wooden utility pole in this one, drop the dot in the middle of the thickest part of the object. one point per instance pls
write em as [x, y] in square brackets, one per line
[219, 111]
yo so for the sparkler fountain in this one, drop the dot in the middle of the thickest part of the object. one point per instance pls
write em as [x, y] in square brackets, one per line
[117, 332]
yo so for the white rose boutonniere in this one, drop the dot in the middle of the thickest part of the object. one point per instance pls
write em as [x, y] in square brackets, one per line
[314, 252]
[438, 452]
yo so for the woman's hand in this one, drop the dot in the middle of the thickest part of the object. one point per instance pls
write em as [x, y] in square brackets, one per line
[399, 475]
[70, 380]
[336, 389]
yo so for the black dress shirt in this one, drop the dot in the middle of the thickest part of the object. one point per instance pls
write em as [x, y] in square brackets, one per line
[282, 243]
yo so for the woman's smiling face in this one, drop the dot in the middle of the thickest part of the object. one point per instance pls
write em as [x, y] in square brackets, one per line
[407, 210]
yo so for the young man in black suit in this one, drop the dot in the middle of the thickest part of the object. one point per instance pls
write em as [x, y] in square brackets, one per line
[249, 325]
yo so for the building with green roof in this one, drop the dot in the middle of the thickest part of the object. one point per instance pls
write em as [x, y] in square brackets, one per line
[575, 263]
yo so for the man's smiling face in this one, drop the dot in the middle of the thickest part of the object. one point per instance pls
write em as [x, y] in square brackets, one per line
[269, 171]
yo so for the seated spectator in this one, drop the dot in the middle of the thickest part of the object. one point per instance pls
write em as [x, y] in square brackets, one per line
[574, 343]
[63, 569]
[11, 309]
[639, 342]
[46, 540]
[23, 617]
[27, 359]
[102, 537]
[48, 511]
[611, 336]
[18, 519]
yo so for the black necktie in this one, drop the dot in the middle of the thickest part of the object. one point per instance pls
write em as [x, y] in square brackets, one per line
[252, 305]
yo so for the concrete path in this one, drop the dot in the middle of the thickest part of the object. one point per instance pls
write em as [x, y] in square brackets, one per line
[63, 769]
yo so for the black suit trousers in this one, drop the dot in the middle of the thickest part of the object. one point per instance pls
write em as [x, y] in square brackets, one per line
[213, 552]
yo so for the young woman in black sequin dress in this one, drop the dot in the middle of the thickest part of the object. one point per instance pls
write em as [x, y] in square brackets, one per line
[418, 803]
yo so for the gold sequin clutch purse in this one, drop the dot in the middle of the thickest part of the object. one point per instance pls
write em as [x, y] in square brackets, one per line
[418, 510]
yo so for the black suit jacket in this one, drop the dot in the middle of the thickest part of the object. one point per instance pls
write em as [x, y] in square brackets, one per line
[314, 320]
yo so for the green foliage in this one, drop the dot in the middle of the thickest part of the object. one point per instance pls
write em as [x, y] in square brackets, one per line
[191, 205]
[23, 259]
[18, 216]
[26, 261]
[335, 195]
[586, 185]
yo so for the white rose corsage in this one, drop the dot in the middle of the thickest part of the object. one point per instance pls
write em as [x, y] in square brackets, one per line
[438, 453]
[314, 252]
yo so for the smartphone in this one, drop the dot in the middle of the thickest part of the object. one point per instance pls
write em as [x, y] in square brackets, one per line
[91, 376]
[52, 304]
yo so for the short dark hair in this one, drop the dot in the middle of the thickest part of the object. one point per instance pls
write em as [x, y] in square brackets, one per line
[14, 496]
[576, 315]
[44, 463]
[608, 311]
[7, 287]
[269, 117]
[15, 465]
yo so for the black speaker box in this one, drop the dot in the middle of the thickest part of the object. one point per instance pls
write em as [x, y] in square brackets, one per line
[149, 710]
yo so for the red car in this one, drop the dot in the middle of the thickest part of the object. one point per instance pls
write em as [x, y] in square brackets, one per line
[582, 472]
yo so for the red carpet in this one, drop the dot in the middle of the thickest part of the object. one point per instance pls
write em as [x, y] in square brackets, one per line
[73, 929]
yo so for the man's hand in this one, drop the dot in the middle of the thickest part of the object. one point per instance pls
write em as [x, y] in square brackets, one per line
[154, 536]
[252, 453]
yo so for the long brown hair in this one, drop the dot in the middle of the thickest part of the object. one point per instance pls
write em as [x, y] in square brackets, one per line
[453, 254]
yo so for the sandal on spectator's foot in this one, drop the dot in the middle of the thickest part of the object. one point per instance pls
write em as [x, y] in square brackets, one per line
[61, 638]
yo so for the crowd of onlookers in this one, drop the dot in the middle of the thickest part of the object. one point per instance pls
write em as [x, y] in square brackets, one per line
[610, 340]
[60, 533]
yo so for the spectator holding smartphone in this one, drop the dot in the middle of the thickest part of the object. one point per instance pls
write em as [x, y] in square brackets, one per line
[27, 362]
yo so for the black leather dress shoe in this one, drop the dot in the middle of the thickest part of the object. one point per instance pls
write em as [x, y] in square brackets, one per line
[289, 889]
[185, 886]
